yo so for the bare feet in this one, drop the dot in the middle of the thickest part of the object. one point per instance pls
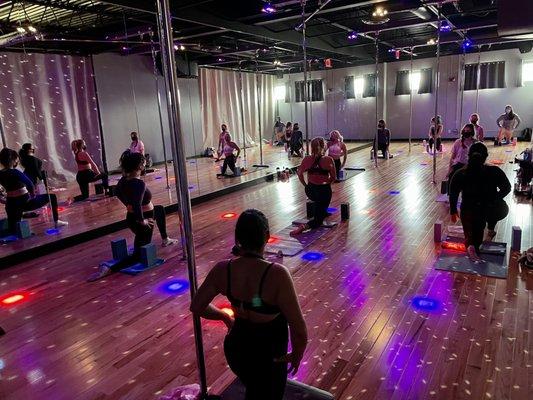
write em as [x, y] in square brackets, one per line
[472, 254]
[298, 230]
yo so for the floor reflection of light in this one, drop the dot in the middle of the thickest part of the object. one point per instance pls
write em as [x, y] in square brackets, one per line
[35, 376]
[412, 194]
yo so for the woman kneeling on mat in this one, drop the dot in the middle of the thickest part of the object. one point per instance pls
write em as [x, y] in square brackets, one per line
[336, 150]
[483, 189]
[460, 148]
[229, 158]
[320, 175]
[20, 192]
[141, 212]
[265, 305]
[87, 170]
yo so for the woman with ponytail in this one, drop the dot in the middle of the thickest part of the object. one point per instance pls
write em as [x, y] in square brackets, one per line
[483, 189]
[460, 148]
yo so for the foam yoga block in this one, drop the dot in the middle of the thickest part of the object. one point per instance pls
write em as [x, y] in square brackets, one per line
[444, 187]
[119, 248]
[437, 232]
[23, 229]
[148, 255]
[345, 211]
[516, 239]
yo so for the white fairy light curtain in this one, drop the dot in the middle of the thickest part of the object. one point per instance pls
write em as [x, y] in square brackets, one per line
[220, 94]
[49, 100]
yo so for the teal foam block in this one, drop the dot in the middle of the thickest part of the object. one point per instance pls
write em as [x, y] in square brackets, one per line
[23, 229]
[148, 254]
[139, 268]
[119, 248]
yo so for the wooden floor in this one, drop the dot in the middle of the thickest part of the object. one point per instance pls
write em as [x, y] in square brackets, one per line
[101, 210]
[125, 338]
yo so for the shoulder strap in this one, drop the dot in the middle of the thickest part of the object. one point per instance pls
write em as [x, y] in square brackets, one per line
[228, 283]
[262, 282]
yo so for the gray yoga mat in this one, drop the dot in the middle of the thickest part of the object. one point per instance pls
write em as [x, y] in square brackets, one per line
[294, 391]
[290, 246]
[494, 265]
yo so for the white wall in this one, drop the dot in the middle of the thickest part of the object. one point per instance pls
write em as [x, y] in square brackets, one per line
[355, 118]
[128, 102]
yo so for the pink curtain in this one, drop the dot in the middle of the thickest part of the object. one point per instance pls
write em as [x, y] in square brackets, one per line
[49, 100]
[220, 93]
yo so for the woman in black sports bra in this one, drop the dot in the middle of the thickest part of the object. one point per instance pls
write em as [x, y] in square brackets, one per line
[321, 174]
[265, 305]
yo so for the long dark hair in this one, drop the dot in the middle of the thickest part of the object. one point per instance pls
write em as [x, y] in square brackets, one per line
[511, 114]
[8, 157]
[251, 230]
[466, 135]
[477, 155]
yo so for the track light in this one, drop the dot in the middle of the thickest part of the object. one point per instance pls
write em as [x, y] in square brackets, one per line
[352, 35]
[32, 29]
[431, 42]
[277, 62]
[179, 47]
[26, 27]
[268, 9]
[445, 28]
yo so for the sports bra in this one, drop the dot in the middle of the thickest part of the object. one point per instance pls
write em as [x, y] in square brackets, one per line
[78, 161]
[316, 169]
[257, 304]
[335, 150]
[228, 150]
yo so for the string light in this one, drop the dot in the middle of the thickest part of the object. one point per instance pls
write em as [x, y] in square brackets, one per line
[179, 47]
[380, 12]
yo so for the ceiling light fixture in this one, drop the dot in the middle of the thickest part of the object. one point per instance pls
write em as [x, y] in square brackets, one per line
[277, 62]
[179, 47]
[352, 35]
[379, 16]
[432, 42]
[445, 28]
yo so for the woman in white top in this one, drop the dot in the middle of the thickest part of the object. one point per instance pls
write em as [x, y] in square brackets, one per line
[459, 157]
[136, 146]
[479, 132]
[336, 150]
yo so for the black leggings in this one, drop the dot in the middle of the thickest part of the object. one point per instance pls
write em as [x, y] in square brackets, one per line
[16, 206]
[475, 220]
[143, 235]
[85, 177]
[455, 168]
[431, 141]
[321, 196]
[250, 350]
[337, 162]
[295, 148]
[229, 161]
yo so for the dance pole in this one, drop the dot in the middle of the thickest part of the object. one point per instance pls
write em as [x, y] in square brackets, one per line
[377, 105]
[477, 77]
[306, 89]
[258, 88]
[411, 101]
[462, 86]
[241, 105]
[437, 84]
[156, 78]
[182, 186]
[2, 134]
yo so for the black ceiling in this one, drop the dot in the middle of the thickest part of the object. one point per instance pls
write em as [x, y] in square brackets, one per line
[230, 33]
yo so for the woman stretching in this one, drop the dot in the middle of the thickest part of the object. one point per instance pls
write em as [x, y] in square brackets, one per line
[20, 192]
[33, 166]
[140, 215]
[484, 188]
[460, 148]
[266, 309]
[287, 135]
[87, 170]
[336, 150]
[435, 132]
[320, 175]
[221, 141]
[229, 157]
[507, 123]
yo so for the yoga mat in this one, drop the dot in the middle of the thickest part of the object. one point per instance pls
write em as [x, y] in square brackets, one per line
[354, 168]
[290, 246]
[138, 268]
[495, 265]
[293, 391]
[8, 239]
[349, 173]
[325, 224]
